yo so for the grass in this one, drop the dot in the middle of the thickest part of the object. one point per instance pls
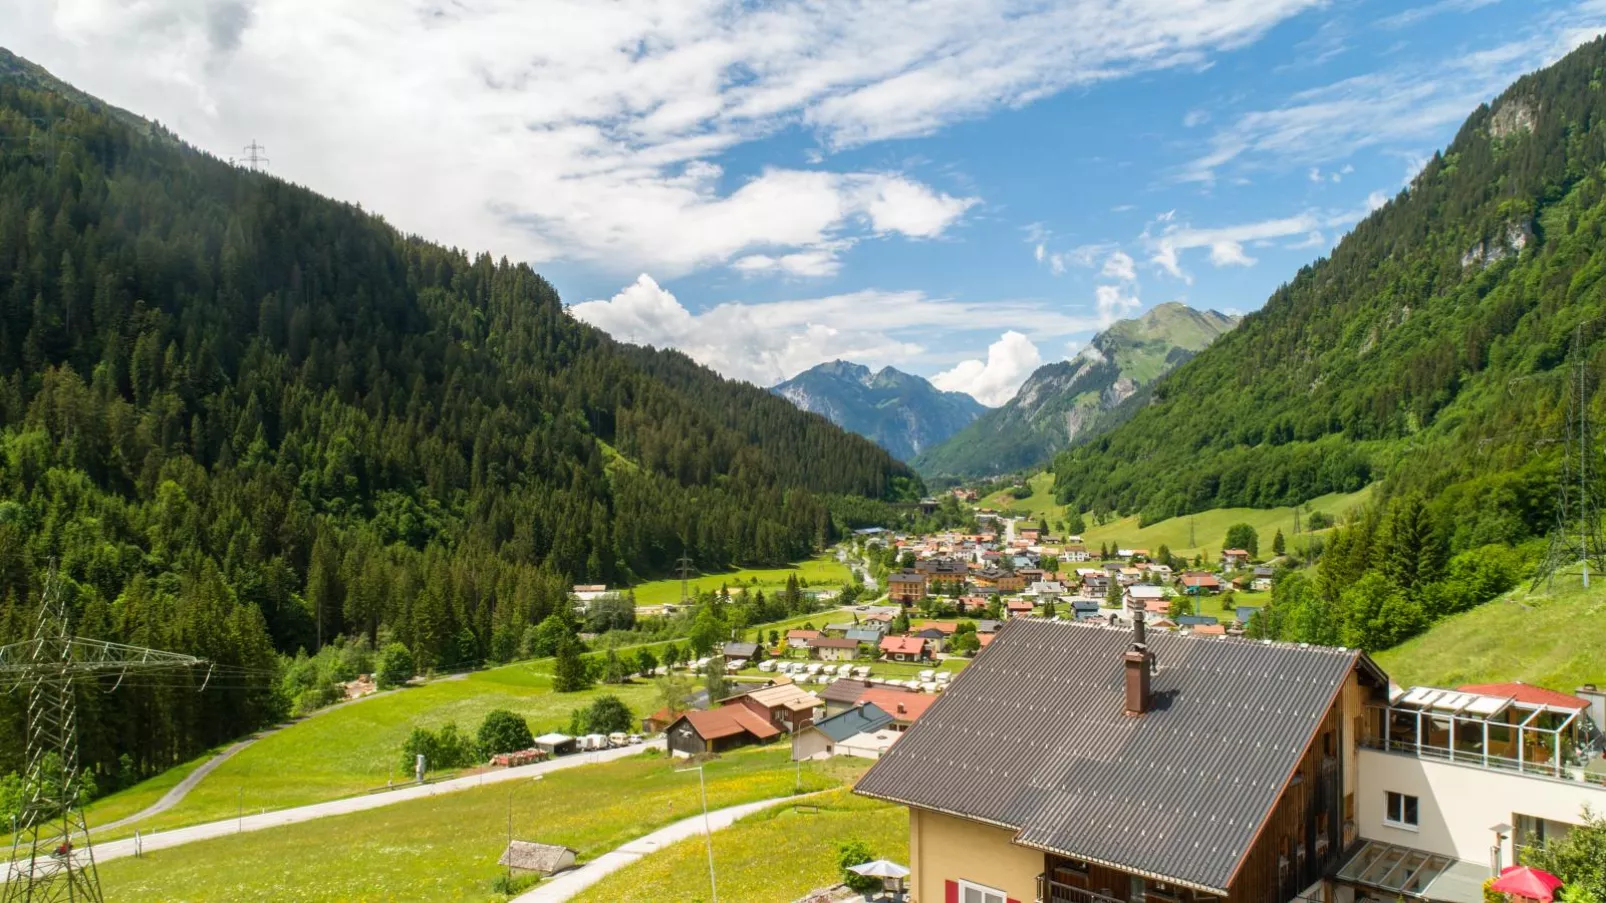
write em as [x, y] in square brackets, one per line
[356, 748]
[446, 847]
[821, 571]
[1209, 528]
[897, 670]
[772, 856]
[1039, 504]
[134, 799]
[1554, 639]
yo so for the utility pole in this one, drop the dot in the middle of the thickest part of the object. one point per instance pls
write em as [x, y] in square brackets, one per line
[47, 865]
[253, 156]
[684, 569]
[1583, 512]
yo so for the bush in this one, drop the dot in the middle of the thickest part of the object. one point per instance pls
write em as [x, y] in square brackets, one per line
[445, 748]
[395, 666]
[503, 732]
[570, 673]
[607, 715]
[856, 852]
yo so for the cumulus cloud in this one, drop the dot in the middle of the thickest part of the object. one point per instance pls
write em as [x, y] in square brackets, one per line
[592, 132]
[1114, 303]
[994, 381]
[1119, 265]
[1226, 243]
[765, 343]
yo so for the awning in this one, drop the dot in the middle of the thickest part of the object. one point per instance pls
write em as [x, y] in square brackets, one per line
[1416, 874]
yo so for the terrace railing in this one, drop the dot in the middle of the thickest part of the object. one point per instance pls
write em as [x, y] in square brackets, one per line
[1065, 893]
[1554, 770]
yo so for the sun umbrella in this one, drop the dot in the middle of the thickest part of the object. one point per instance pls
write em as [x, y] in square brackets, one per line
[880, 868]
[1526, 882]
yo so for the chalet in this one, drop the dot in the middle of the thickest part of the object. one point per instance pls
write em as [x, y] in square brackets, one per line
[935, 633]
[659, 721]
[905, 706]
[1018, 608]
[1132, 807]
[1128, 576]
[1076, 553]
[826, 738]
[973, 603]
[839, 628]
[1161, 571]
[1260, 584]
[786, 707]
[1030, 575]
[869, 632]
[799, 639]
[1209, 630]
[586, 592]
[1151, 599]
[1232, 559]
[1046, 590]
[906, 587]
[942, 572]
[840, 695]
[742, 651]
[1200, 583]
[1094, 580]
[717, 730]
[1082, 609]
[833, 649]
[983, 640]
[1029, 534]
[904, 649]
[986, 626]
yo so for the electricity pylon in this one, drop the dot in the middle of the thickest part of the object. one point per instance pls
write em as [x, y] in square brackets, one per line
[51, 856]
[1577, 536]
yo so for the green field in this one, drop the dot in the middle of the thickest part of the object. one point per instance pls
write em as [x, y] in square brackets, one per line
[446, 847]
[822, 572]
[1209, 528]
[134, 799]
[770, 857]
[1554, 639]
[896, 670]
[1039, 504]
[356, 748]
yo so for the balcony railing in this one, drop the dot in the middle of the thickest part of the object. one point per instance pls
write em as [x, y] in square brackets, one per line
[1065, 893]
[1556, 771]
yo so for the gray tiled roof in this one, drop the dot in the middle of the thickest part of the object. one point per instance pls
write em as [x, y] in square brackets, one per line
[857, 720]
[1033, 736]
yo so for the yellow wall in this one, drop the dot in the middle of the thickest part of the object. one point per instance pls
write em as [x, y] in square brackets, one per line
[944, 848]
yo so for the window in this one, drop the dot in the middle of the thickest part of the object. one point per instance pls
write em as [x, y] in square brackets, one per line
[1401, 811]
[977, 893]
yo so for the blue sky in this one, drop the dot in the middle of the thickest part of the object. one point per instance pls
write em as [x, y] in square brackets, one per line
[963, 190]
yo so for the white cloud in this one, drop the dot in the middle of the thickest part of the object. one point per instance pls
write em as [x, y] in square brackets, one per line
[822, 262]
[1417, 14]
[1399, 107]
[765, 343]
[1314, 240]
[1225, 243]
[1119, 265]
[1229, 253]
[590, 132]
[994, 381]
[1195, 118]
[1113, 303]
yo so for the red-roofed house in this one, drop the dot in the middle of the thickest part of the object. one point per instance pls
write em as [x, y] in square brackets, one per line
[983, 640]
[799, 639]
[717, 730]
[1209, 630]
[903, 648]
[905, 706]
[1197, 583]
[1018, 608]
[1232, 559]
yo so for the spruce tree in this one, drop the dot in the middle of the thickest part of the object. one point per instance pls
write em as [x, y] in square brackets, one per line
[570, 674]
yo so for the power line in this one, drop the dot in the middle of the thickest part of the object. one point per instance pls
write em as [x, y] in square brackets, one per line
[254, 158]
[1577, 536]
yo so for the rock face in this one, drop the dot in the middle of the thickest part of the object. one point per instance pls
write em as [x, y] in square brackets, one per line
[902, 413]
[1069, 401]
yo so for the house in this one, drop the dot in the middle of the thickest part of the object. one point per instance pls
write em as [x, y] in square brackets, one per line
[799, 639]
[1262, 570]
[1119, 795]
[1151, 599]
[833, 649]
[1209, 630]
[1232, 559]
[585, 592]
[820, 740]
[839, 628]
[1128, 575]
[1244, 612]
[1260, 584]
[986, 626]
[659, 721]
[936, 633]
[1200, 583]
[717, 730]
[942, 572]
[906, 587]
[751, 652]
[870, 633]
[1160, 571]
[1094, 580]
[983, 640]
[1018, 608]
[904, 649]
[785, 706]
[545, 859]
[869, 744]
[1196, 620]
[1082, 609]
[1046, 590]
[905, 706]
[840, 695]
[1076, 553]
[973, 603]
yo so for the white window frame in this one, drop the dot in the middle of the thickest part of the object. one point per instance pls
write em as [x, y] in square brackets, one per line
[982, 889]
[1388, 814]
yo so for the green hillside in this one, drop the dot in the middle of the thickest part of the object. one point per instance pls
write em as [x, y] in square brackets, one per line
[1553, 638]
[1207, 529]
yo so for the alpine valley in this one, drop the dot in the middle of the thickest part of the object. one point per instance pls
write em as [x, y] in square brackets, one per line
[902, 413]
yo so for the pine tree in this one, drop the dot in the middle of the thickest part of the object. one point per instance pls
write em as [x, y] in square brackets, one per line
[570, 673]
[1278, 546]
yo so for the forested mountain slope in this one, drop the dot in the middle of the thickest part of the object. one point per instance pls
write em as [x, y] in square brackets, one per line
[231, 408]
[900, 412]
[1071, 401]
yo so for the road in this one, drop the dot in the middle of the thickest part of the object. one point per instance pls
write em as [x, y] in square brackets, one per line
[117, 849]
[567, 884]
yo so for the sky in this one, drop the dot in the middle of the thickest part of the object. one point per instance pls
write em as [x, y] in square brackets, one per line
[963, 190]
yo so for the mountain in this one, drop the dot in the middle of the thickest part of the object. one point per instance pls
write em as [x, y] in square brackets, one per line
[1428, 350]
[246, 418]
[902, 413]
[1069, 401]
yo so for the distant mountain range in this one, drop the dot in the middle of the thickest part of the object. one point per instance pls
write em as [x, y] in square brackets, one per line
[1073, 400]
[901, 412]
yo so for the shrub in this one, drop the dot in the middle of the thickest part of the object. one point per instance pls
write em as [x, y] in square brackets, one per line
[445, 748]
[395, 666]
[856, 852]
[503, 732]
[607, 715]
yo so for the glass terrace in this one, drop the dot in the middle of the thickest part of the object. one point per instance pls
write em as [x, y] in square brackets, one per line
[1498, 732]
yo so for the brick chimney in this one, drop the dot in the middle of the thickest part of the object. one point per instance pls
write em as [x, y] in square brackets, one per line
[1139, 663]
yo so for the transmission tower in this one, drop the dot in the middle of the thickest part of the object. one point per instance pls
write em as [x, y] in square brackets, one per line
[51, 856]
[1577, 537]
[685, 569]
[253, 155]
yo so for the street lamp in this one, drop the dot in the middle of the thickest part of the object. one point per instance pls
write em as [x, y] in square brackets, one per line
[1500, 832]
[708, 831]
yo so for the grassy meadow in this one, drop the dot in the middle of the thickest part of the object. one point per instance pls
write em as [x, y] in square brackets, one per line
[821, 572]
[445, 848]
[746, 854]
[1555, 638]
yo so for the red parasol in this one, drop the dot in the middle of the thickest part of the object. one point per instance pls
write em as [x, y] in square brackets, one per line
[1528, 882]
